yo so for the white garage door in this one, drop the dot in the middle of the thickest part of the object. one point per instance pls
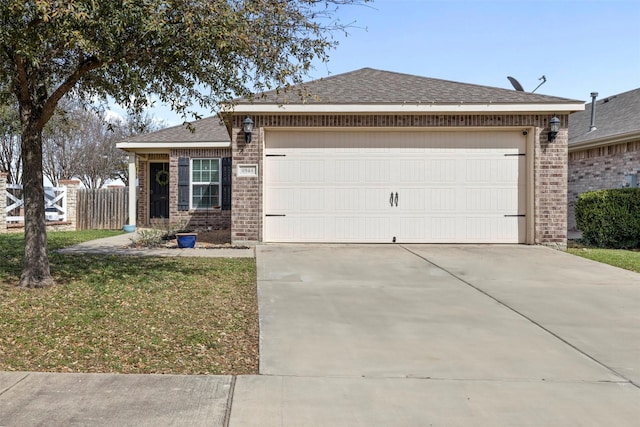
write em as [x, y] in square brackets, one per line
[402, 186]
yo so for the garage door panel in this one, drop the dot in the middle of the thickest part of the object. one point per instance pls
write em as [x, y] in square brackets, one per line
[377, 170]
[479, 228]
[362, 229]
[508, 227]
[442, 229]
[441, 170]
[412, 199]
[442, 199]
[347, 171]
[503, 200]
[311, 171]
[312, 200]
[348, 199]
[312, 228]
[507, 201]
[280, 200]
[281, 171]
[342, 186]
[413, 170]
[492, 171]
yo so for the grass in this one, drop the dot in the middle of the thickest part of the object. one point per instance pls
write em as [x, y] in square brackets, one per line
[629, 260]
[128, 314]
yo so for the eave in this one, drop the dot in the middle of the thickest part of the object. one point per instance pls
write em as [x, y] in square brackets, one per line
[607, 140]
[406, 108]
[150, 146]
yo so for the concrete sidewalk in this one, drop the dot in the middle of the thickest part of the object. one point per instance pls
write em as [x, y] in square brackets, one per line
[45, 399]
[120, 245]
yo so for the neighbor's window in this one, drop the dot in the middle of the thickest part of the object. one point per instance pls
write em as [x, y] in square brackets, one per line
[205, 183]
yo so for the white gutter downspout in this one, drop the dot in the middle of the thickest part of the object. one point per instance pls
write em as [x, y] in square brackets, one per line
[132, 189]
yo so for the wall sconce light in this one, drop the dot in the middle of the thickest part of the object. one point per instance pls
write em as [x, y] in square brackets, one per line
[554, 128]
[247, 128]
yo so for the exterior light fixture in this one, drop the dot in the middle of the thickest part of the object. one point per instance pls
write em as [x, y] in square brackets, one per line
[554, 128]
[247, 128]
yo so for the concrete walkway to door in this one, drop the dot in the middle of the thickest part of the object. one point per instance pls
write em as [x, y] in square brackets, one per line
[442, 335]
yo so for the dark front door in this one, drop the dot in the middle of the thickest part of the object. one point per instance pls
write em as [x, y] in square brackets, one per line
[159, 190]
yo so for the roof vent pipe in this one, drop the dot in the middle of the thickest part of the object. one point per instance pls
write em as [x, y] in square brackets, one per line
[592, 126]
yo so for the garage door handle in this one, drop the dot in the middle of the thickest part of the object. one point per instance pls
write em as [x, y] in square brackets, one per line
[391, 199]
[396, 199]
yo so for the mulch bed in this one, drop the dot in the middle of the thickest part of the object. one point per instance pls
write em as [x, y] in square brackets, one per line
[210, 239]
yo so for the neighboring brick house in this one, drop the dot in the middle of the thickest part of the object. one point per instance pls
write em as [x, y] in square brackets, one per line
[382, 157]
[606, 153]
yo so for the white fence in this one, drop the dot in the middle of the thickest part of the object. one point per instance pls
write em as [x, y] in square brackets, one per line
[55, 203]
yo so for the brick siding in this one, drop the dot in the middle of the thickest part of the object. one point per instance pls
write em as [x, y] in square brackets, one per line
[550, 175]
[213, 219]
[72, 202]
[246, 199]
[598, 169]
[550, 165]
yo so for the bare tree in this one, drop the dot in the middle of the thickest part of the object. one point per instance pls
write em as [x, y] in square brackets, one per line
[80, 142]
[99, 157]
[10, 157]
[61, 142]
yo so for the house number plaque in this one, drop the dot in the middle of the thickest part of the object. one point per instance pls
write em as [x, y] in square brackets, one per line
[248, 170]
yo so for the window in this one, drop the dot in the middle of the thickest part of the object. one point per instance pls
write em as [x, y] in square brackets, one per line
[205, 183]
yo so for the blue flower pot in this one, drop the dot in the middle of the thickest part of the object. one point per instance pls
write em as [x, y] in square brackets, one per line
[129, 228]
[186, 240]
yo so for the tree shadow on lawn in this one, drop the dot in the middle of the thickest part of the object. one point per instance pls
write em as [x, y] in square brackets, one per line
[95, 269]
[133, 315]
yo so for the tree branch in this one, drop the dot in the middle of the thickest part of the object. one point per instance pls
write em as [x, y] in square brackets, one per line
[84, 67]
[21, 81]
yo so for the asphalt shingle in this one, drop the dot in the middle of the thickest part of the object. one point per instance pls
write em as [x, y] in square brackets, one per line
[210, 129]
[371, 86]
[615, 115]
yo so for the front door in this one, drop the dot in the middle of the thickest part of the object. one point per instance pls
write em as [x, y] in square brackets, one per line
[158, 190]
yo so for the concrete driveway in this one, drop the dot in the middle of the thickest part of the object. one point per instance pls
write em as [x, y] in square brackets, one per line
[442, 335]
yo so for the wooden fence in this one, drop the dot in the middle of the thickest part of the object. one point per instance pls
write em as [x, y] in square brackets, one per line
[103, 209]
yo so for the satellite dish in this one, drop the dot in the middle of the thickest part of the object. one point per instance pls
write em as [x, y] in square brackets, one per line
[516, 84]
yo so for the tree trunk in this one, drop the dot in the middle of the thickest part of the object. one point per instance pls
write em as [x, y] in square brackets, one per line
[35, 272]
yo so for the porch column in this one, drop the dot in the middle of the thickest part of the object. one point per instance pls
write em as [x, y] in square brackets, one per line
[132, 189]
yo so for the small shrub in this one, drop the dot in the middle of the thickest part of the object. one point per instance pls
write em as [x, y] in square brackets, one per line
[610, 218]
[169, 229]
[149, 238]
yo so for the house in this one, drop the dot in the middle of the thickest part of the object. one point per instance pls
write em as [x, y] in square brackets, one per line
[604, 146]
[368, 156]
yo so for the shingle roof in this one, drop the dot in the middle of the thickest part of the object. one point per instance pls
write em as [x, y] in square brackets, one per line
[617, 115]
[210, 129]
[371, 86]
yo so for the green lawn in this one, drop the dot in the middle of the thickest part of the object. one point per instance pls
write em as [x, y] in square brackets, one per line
[128, 314]
[629, 260]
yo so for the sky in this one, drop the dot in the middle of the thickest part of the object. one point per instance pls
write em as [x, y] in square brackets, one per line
[581, 46]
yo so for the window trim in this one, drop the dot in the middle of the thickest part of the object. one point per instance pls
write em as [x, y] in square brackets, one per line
[218, 183]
